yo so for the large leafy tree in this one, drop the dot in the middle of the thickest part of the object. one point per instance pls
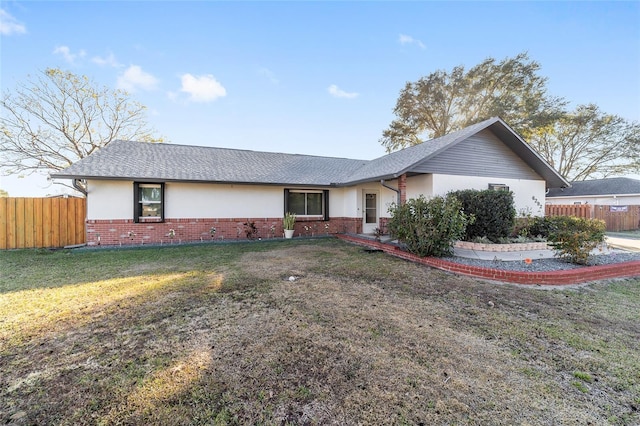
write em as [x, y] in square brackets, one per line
[56, 118]
[443, 102]
[588, 143]
[582, 144]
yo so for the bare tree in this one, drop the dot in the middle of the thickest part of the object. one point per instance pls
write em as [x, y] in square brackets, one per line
[57, 118]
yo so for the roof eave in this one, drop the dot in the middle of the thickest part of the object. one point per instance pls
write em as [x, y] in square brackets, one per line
[158, 179]
[530, 156]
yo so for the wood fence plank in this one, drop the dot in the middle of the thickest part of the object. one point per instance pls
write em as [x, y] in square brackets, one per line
[20, 221]
[56, 236]
[4, 201]
[69, 221]
[11, 218]
[615, 221]
[47, 223]
[81, 214]
[29, 227]
[37, 227]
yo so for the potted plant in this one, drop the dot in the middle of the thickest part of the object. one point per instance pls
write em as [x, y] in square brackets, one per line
[288, 222]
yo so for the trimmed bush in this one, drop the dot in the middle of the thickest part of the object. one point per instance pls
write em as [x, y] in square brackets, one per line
[428, 227]
[541, 227]
[572, 238]
[494, 213]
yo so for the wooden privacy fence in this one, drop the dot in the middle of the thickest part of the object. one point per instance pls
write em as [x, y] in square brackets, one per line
[617, 218]
[42, 222]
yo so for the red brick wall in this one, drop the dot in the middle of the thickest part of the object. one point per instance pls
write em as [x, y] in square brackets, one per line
[402, 187]
[125, 232]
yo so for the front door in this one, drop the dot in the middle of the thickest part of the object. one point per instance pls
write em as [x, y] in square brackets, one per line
[370, 212]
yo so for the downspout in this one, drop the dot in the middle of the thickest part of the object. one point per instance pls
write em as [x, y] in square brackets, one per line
[79, 186]
[397, 191]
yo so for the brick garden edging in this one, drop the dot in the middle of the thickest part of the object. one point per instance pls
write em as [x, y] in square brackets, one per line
[566, 277]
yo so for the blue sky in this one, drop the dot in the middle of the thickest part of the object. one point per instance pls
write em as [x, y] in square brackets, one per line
[317, 78]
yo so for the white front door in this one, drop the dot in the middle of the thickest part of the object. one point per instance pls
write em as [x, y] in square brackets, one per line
[370, 217]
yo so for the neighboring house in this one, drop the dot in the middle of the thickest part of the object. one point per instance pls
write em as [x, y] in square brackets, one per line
[611, 191]
[139, 191]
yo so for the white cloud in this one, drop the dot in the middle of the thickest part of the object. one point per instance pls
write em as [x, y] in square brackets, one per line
[407, 39]
[110, 61]
[134, 78]
[204, 88]
[336, 92]
[9, 25]
[266, 72]
[66, 53]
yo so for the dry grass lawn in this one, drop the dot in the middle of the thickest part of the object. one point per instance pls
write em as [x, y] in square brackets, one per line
[218, 334]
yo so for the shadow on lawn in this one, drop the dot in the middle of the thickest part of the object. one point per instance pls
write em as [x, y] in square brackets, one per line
[71, 363]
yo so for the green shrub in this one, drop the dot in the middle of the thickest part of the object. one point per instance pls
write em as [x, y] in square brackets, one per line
[428, 227]
[573, 238]
[494, 213]
[540, 227]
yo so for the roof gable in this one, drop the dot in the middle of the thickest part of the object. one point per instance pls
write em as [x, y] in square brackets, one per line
[410, 159]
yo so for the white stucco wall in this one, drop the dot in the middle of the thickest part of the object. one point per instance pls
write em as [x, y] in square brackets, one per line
[420, 185]
[114, 199]
[200, 200]
[108, 199]
[528, 195]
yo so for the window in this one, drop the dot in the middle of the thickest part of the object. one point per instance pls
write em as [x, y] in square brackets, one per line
[307, 203]
[498, 187]
[148, 202]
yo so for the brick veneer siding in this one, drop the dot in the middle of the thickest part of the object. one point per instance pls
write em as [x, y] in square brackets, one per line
[566, 277]
[117, 232]
[402, 187]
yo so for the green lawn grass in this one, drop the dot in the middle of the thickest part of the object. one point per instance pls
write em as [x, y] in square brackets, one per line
[219, 334]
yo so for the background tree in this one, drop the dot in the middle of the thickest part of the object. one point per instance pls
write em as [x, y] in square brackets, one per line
[443, 102]
[588, 143]
[584, 144]
[3, 193]
[57, 118]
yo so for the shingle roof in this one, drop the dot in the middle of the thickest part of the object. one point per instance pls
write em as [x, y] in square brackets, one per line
[167, 162]
[396, 163]
[609, 186]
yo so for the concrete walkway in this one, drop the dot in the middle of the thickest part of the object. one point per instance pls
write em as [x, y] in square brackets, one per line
[626, 244]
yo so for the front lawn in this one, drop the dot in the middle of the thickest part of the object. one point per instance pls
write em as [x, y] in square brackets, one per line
[220, 334]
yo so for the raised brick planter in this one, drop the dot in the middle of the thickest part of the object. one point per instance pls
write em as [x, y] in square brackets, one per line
[566, 277]
[501, 247]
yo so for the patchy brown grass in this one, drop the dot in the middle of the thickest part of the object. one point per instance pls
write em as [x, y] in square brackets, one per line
[218, 334]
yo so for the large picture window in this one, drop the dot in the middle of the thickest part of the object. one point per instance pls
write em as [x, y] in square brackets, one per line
[307, 202]
[148, 202]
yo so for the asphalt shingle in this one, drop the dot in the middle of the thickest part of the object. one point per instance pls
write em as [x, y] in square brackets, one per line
[147, 161]
[609, 186]
[166, 162]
